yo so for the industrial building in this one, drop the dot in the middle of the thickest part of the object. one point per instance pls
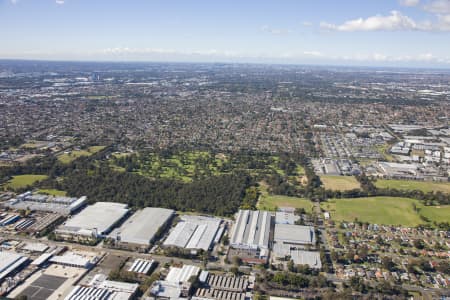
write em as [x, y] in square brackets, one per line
[78, 259]
[286, 217]
[101, 289]
[142, 228]
[291, 241]
[294, 235]
[221, 287]
[194, 232]
[10, 262]
[298, 256]
[176, 284]
[7, 219]
[95, 221]
[40, 202]
[399, 170]
[250, 235]
[141, 266]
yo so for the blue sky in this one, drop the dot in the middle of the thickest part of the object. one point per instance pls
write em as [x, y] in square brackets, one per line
[345, 32]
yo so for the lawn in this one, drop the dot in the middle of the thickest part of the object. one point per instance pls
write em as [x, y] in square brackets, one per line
[271, 202]
[340, 183]
[22, 181]
[52, 192]
[69, 157]
[436, 213]
[423, 186]
[378, 210]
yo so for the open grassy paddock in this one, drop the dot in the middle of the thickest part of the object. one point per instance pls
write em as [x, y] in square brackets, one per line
[52, 192]
[22, 181]
[410, 185]
[272, 202]
[69, 157]
[384, 210]
[340, 183]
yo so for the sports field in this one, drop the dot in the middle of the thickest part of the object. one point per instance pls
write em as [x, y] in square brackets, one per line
[424, 186]
[272, 202]
[69, 157]
[340, 183]
[378, 210]
[22, 181]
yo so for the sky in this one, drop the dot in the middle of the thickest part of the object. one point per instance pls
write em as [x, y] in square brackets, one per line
[405, 33]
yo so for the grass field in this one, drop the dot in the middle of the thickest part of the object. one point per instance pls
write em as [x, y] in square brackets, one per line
[69, 157]
[21, 181]
[340, 183]
[271, 202]
[384, 210]
[52, 192]
[436, 213]
[413, 185]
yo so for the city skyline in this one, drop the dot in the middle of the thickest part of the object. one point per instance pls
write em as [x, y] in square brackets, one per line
[404, 33]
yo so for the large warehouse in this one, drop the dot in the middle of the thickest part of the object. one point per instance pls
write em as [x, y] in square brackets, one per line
[9, 262]
[94, 221]
[40, 202]
[194, 232]
[294, 235]
[142, 227]
[251, 234]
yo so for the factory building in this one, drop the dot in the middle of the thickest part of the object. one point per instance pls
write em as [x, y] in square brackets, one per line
[194, 232]
[291, 241]
[10, 262]
[141, 266]
[221, 287]
[93, 222]
[250, 236]
[294, 235]
[101, 289]
[40, 202]
[142, 228]
[84, 260]
[177, 283]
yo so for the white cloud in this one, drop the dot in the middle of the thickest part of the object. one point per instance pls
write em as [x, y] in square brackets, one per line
[307, 24]
[409, 2]
[274, 31]
[313, 53]
[395, 21]
[14, 1]
[438, 7]
[60, 2]
[214, 55]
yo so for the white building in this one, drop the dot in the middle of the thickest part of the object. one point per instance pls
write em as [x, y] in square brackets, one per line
[176, 284]
[251, 232]
[194, 232]
[142, 227]
[101, 289]
[9, 262]
[40, 202]
[94, 221]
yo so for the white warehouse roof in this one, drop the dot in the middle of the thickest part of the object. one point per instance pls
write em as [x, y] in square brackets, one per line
[101, 216]
[194, 232]
[294, 234]
[251, 230]
[142, 226]
[10, 261]
[177, 275]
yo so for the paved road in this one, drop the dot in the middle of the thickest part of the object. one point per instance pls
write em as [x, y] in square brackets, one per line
[98, 248]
